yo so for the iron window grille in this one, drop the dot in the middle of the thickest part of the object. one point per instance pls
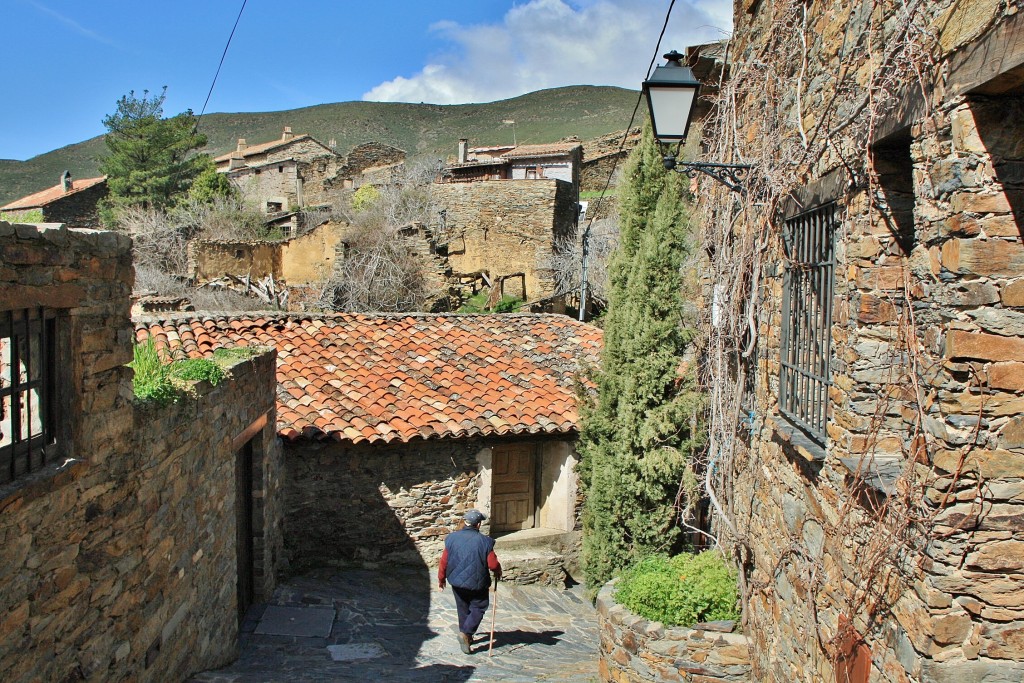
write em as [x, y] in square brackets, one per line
[27, 391]
[809, 241]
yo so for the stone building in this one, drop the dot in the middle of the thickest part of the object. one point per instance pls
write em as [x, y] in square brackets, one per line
[71, 202]
[873, 470]
[284, 174]
[132, 538]
[295, 171]
[560, 160]
[395, 425]
[508, 227]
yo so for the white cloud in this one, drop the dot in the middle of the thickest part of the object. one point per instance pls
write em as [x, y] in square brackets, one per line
[72, 24]
[550, 43]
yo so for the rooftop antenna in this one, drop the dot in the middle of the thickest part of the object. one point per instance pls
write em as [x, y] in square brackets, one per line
[511, 122]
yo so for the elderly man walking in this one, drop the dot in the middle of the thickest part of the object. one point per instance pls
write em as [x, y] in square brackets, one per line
[467, 557]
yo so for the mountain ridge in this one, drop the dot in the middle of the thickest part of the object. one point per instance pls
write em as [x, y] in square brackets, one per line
[422, 130]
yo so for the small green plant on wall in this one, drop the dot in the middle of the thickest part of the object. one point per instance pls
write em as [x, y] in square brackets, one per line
[160, 381]
[680, 591]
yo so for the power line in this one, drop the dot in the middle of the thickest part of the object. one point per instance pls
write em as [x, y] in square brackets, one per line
[221, 63]
[618, 157]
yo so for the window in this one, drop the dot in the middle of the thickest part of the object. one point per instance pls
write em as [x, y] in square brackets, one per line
[809, 241]
[27, 391]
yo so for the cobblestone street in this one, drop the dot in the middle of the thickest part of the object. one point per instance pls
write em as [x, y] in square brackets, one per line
[395, 626]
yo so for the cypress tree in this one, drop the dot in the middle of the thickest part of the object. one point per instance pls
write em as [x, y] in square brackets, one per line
[636, 438]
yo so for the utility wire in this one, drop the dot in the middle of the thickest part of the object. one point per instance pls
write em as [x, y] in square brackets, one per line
[221, 63]
[618, 157]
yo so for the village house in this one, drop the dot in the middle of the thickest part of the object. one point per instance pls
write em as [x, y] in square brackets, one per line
[561, 160]
[71, 202]
[417, 418]
[871, 461]
[133, 538]
[296, 171]
[281, 175]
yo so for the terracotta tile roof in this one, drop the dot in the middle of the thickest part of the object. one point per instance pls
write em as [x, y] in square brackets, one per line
[44, 197]
[554, 149]
[370, 378]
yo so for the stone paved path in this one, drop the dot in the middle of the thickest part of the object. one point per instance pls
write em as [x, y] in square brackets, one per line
[397, 627]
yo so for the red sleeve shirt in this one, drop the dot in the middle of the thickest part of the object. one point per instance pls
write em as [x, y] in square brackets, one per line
[442, 566]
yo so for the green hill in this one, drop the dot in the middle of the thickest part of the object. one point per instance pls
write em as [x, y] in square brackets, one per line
[423, 130]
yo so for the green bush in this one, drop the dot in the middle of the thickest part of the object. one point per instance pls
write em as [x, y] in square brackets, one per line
[29, 216]
[681, 590]
[478, 304]
[197, 370]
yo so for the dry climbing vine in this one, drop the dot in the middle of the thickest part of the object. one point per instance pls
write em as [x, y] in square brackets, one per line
[795, 119]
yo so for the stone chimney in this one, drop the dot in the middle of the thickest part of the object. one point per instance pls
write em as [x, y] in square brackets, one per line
[242, 144]
[287, 134]
[236, 161]
[463, 150]
[65, 181]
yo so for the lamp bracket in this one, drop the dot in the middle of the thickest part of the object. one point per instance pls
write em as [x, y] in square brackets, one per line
[730, 175]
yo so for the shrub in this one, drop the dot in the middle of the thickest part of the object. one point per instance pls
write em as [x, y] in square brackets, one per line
[29, 216]
[197, 370]
[478, 304]
[682, 590]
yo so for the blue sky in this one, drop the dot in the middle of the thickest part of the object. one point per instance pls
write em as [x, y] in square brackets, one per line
[68, 61]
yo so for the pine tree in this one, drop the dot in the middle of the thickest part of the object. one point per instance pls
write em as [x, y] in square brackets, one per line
[636, 438]
[150, 160]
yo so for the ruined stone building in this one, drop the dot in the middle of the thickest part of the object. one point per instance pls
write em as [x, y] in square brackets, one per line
[132, 538]
[511, 228]
[406, 421]
[507, 228]
[869, 307]
[72, 202]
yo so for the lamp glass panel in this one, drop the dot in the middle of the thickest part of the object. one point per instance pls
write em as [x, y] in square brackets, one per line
[670, 109]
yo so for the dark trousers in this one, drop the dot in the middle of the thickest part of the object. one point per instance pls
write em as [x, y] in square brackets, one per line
[471, 605]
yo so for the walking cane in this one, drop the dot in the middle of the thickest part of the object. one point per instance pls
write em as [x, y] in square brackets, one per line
[494, 610]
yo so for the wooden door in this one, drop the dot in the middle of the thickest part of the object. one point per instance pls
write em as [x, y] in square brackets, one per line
[512, 486]
[246, 582]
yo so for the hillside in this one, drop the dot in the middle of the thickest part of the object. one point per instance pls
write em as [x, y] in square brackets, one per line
[423, 130]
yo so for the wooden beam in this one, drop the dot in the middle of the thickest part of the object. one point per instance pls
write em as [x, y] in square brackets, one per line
[991, 65]
[249, 432]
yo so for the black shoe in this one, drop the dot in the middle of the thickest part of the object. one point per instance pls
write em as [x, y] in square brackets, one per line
[464, 643]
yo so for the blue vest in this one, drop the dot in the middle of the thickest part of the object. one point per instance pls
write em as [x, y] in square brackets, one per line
[467, 559]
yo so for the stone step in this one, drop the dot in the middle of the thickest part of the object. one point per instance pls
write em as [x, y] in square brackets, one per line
[534, 567]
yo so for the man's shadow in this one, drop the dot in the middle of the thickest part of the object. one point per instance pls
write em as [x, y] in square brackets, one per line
[508, 639]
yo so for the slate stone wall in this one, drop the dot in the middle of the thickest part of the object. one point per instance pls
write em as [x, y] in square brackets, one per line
[348, 504]
[365, 504]
[635, 650]
[927, 379]
[508, 226]
[77, 210]
[118, 560]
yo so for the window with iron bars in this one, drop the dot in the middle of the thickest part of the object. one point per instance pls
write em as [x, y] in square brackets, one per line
[809, 241]
[27, 391]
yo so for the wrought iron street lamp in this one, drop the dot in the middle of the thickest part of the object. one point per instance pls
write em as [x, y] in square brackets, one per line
[671, 95]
